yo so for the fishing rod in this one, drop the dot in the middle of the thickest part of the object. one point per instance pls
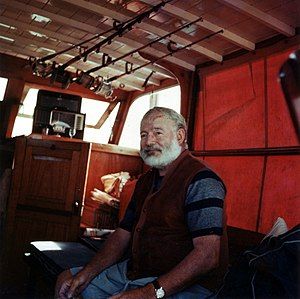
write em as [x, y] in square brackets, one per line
[121, 29]
[58, 73]
[107, 62]
[115, 27]
[164, 56]
[51, 56]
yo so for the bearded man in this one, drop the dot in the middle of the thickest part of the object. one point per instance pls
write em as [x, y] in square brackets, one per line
[172, 228]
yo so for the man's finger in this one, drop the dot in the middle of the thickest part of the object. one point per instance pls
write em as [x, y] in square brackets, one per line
[72, 289]
[64, 291]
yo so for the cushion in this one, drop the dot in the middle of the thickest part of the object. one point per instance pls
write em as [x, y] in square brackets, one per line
[279, 228]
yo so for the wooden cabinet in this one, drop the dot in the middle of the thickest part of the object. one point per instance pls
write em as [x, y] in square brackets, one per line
[46, 197]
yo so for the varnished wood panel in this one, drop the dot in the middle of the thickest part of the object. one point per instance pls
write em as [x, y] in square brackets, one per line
[45, 201]
[49, 178]
[104, 160]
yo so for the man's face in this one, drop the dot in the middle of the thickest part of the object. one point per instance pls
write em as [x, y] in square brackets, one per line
[159, 145]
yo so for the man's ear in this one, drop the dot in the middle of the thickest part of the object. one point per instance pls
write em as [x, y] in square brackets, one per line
[181, 136]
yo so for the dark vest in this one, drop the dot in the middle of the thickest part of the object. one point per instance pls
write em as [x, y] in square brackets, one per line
[161, 238]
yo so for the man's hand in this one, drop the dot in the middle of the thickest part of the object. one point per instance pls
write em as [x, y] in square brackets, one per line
[68, 286]
[146, 292]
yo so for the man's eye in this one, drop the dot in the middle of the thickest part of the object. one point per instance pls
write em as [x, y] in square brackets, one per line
[143, 135]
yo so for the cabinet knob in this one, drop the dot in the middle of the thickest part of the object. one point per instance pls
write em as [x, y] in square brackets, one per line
[76, 205]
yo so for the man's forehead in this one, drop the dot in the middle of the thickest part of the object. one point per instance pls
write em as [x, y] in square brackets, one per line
[153, 116]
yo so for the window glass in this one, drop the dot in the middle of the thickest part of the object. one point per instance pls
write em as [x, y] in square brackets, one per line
[3, 84]
[94, 110]
[169, 98]
[24, 119]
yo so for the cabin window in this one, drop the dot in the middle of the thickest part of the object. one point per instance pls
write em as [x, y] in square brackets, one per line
[94, 110]
[24, 119]
[169, 97]
[3, 84]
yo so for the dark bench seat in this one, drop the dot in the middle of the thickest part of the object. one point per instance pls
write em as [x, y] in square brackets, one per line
[47, 259]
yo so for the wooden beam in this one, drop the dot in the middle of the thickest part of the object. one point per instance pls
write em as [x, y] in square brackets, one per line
[188, 16]
[94, 30]
[62, 59]
[15, 68]
[128, 83]
[261, 16]
[105, 115]
[106, 9]
[70, 40]
[118, 126]
[53, 16]
[12, 99]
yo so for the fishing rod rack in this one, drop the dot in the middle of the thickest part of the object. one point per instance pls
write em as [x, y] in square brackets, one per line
[43, 67]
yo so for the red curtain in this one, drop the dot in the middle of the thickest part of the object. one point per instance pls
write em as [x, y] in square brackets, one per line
[244, 108]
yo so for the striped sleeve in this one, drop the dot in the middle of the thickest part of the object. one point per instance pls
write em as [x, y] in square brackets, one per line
[204, 204]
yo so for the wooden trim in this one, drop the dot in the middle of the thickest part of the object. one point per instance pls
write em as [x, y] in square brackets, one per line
[105, 115]
[192, 105]
[151, 88]
[120, 120]
[227, 34]
[13, 97]
[263, 17]
[261, 193]
[274, 151]
[114, 149]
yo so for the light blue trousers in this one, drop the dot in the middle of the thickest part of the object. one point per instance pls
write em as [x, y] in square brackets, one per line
[113, 280]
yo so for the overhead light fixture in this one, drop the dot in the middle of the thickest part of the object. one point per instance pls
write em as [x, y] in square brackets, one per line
[7, 38]
[47, 50]
[39, 18]
[7, 26]
[37, 34]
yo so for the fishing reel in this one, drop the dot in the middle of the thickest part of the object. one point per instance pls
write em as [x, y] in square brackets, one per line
[41, 69]
[103, 87]
[84, 79]
[62, 76]
[50, 70]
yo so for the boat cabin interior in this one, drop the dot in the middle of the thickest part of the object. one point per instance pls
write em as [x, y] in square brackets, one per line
[76, 77]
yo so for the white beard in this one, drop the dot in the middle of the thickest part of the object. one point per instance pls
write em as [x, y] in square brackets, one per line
[168, 155]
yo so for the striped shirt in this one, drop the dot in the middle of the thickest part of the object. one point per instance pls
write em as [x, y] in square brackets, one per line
[203, 205]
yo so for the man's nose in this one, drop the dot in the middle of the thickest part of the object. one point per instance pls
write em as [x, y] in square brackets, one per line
[150, 139]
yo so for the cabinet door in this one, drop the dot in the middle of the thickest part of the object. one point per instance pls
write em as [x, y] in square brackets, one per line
[54, 176]
[45, 201]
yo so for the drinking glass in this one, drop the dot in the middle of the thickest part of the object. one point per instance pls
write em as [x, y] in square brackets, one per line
[72, 132]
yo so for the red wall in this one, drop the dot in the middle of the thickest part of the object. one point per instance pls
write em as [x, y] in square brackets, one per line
[243, 108]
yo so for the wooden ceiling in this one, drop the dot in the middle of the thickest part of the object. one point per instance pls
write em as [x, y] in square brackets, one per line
[38, 28]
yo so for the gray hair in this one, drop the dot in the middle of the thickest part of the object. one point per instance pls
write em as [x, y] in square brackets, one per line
[171, 114]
